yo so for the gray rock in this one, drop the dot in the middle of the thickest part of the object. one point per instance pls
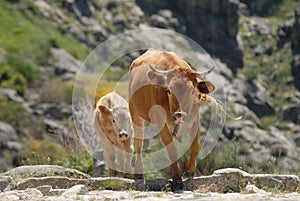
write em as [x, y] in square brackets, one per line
[50, 12]
[76, 190]
[257, 99]
[11, 94]
[296, 70]
[292, 113]
[45, 189]
[232, 179]
[7, 132]
[260, 7]
[159, 21]
[153, 185]
[253, 189]
[57, 182]
[258, 26]
[296, 32]
[262, 49]
[52, 110]
[232, 18]
[43, 171]
[284, 32]
[296, 138]
[6, 183]
[64, 62]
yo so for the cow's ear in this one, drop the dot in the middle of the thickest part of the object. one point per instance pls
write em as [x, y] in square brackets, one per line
[158, 79]
[104, 110]
[205, 87]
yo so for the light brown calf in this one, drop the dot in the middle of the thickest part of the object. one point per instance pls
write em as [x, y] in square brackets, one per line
[113, 125]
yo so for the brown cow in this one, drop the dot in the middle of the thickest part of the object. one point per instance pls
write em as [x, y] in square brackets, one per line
[164, 80]
[113, 125]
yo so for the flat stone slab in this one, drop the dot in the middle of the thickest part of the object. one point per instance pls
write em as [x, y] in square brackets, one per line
[222, 181]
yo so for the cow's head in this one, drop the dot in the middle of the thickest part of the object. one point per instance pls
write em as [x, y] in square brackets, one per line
[184, 88]
[116, 120]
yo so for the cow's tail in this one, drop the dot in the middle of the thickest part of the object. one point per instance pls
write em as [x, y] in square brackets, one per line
[220, 108]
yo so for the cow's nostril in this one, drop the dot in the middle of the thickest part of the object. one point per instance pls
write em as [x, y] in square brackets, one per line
[120, 135]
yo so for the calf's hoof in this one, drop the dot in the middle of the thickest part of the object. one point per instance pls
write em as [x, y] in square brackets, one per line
[138, 177]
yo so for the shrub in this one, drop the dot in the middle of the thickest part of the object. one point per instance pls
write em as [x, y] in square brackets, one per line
[56, 91]
[81, 161]
[10, 78]
[45, 152]
[223, 157]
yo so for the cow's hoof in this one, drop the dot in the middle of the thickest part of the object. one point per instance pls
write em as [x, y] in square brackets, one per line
[177, 187]
[188, 174]
[138, 177]
[127, 175]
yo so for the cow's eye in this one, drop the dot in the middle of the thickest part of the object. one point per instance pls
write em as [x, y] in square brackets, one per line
[114, 121]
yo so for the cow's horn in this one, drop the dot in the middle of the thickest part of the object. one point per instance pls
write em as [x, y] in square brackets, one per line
[205, 73]
[158, 71]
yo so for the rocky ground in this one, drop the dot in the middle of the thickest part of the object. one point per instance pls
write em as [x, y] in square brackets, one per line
[58, 183]
[230, 24]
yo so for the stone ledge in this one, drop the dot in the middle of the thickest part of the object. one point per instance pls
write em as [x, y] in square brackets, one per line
[222, 181]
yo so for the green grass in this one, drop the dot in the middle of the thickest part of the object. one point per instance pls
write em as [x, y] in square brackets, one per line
[283, 11]
[21, 34]
[81, 161]
[221, 157]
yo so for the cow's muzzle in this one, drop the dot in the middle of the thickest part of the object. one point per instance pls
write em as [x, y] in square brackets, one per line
[180, 117]
[123, 135]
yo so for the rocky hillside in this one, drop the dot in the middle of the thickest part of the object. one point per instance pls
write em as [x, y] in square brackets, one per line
[255, 45]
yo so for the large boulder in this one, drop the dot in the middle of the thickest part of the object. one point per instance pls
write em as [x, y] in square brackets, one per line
[260, 7]
[43, 171]
[64, 62]
[292, 113]
[257, 99]
[296, 70]
[218, 18]
[296, 32]
[262, 148]
[10, 147]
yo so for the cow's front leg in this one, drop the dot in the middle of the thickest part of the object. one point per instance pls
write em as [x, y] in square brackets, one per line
[109, 156]
[190, 166]
[173, 155]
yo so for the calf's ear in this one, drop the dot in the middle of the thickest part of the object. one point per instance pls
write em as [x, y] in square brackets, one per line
[104, 110]
[205, 87]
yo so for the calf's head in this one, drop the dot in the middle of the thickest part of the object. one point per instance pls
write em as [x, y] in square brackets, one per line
[116, 120]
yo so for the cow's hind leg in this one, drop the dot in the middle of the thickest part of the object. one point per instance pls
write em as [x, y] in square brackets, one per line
[138, 127]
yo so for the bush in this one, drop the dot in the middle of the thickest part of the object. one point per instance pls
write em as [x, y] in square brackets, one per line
[81, 161]
[56, 91]
[42, 152]
[10, 78]
[223, 157]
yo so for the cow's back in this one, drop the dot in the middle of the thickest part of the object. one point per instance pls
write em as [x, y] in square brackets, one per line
[159, 59]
